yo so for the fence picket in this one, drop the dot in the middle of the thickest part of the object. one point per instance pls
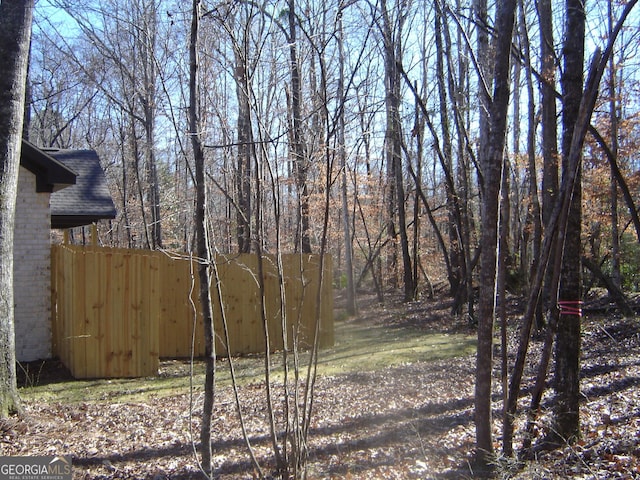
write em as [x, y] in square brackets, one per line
[117, 311]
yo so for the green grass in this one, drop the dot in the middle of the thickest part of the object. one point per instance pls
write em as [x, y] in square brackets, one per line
[358, 348]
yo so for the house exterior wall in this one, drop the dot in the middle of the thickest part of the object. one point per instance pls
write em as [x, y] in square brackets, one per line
[32, 271]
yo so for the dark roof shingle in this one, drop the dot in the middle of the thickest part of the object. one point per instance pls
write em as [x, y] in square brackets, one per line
[89, 199]
[51, 174]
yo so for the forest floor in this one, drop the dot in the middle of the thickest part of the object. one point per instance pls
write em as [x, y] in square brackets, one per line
[410, 419]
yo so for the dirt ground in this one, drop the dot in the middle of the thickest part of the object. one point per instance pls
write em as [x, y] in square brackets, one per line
[413, 420]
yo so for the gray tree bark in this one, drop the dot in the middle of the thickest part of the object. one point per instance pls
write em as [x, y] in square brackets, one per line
[567, 352]
[616, 274]
[245, 140]
[549, 128]
[15, 35]
[298, 147]
[491, 163]
[346, 222]
[393, 144]
[202, 244]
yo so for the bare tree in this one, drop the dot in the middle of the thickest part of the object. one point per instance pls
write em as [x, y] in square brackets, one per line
[491, 163]
[118, 56]
[299, 152]
[15, 35]
[549, 127]
[243, 71]
[391, 32]
[457, 259]
[342, 152]
[567, 353]
[614, 124]
[554, 246]
[202, 242]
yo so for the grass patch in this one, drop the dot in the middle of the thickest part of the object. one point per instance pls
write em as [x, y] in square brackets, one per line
[358, 348]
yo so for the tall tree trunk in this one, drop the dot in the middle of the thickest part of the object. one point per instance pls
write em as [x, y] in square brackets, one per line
[346, 222]
[534, 215]
[418, 129]
[491, 163]
[616, 275]
[149, 18]
[456, 252]
[557, 227]
[298, 150]
[245, 142]
[202, 244]
[567, 352]
[460, 100]
[549, 126]
[481, 15]
[390, 196]
[15, 36]
[393, 142]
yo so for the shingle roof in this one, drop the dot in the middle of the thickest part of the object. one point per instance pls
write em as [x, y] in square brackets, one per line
[51, 175]
[89, 199]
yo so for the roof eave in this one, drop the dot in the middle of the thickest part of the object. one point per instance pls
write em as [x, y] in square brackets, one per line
[71, 221]
[51, 175]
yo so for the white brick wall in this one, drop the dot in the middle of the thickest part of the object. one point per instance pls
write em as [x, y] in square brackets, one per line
[32, 271]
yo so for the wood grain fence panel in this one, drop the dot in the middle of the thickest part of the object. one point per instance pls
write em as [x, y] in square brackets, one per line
[79, 317]
[237, 285]
[148, 359]
[56, 327]
[310, 281]
[273, 302]
[327, 327]
[178, 280]
[119, 315]
[117, 311]
[111, 276]
[169, 281]
[293, 294]
[69, 295]
[92, 335]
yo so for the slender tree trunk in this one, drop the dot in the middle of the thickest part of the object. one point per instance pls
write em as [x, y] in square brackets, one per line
[534, 215]
[390, 195]
[484, 61]
[567, 353]
[346, 223]
[245, 143]
[491, 163]
[501, 283]
[15, 37]
[456, 249]
[202, 244]
[147, 40]
[460, 100]
[616, 275]
[125, 186]
[418, 129]
[549, 127]
[393, 143]
[557, 227]
[298, 150]
[447, 173]
[152, 180]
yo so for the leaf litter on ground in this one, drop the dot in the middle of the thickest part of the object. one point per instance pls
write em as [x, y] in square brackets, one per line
[410, 416]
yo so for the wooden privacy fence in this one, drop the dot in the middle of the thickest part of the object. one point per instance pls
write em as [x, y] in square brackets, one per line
[115, 312]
